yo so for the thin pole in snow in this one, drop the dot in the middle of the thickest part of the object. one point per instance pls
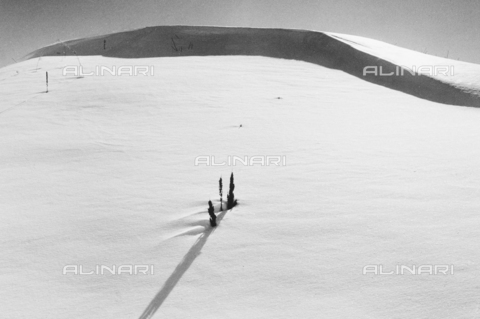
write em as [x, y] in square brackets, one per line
[46, 80]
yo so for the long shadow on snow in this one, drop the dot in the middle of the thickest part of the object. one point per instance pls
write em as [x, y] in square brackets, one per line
[180, 270]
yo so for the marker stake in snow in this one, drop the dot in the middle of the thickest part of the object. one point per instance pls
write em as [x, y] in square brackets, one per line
[47, 81]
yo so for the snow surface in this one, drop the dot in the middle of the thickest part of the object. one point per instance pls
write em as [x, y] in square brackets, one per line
[350, 54]
[100, 171]
[465, 74]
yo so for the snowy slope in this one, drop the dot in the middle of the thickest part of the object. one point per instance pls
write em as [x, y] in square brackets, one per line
[100, 171]
[350, 54]
[463, 75]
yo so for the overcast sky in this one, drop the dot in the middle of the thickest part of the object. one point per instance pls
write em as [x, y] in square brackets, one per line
[439, 26]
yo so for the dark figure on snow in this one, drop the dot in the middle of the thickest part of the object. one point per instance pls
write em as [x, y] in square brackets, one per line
[213, 218]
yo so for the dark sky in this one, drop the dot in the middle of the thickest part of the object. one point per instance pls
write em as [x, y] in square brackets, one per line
[439, 26]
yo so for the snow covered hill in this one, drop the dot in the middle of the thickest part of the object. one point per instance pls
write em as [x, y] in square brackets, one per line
[350, 54]
[100, 171]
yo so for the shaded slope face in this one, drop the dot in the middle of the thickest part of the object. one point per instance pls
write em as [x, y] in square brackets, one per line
[314, 47]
